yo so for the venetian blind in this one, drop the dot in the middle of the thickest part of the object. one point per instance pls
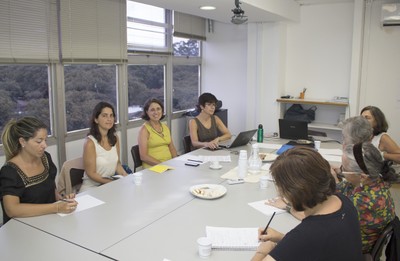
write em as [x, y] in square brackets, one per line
[189, 26]
[93, 31]
[28, 31]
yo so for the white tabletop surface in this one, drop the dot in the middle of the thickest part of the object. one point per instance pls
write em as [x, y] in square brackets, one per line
[160, 218]
[21, 242]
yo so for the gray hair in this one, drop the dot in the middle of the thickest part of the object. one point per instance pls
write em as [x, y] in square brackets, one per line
[356, 130]
[373, 162]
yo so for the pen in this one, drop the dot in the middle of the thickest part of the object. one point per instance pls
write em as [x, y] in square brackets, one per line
[199, 161]
[265, 230]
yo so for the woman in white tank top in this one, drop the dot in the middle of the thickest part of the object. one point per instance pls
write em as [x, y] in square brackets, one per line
[101, 149]
[387, 146]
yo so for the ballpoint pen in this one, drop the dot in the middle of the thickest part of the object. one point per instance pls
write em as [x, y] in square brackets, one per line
[269, 222]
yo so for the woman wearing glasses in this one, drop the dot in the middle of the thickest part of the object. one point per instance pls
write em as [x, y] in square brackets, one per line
[366, 183]
[204, 128]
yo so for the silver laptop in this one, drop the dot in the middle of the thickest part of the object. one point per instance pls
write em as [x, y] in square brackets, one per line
[293, 130]
[242, 139]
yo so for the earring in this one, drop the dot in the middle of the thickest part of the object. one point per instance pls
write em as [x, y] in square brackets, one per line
[23, 146]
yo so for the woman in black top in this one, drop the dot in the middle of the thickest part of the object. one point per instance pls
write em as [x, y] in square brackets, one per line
[27, 184]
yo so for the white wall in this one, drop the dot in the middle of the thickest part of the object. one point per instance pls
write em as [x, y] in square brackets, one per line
[224, 70]
[380, 81]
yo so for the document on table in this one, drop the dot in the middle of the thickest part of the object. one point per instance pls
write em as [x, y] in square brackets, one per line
[220, 158]
[266, 209]
[84, 202]
[160, 168]
[229, 238]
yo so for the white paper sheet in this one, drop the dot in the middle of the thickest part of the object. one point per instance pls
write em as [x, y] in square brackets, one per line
[85, 202]
[266, 209]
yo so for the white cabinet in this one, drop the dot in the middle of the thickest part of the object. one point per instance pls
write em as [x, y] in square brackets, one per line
[327, 114]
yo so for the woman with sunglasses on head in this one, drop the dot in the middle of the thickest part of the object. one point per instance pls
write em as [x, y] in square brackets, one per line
[366, 183]
[204, 128]
[386, 145]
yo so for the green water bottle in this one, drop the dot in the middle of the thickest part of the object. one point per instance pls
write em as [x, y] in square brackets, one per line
[260, 133]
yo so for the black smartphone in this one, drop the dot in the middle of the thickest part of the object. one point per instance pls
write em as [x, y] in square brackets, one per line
[192, 164]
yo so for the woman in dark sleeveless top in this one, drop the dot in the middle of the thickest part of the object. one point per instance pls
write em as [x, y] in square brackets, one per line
[204, 128]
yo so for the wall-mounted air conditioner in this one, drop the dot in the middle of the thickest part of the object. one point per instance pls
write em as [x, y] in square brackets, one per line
[391, 14]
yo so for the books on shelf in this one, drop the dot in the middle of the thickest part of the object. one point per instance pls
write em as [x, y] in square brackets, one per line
[228, 238]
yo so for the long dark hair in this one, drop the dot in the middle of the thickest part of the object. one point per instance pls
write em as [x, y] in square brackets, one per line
[94, 127]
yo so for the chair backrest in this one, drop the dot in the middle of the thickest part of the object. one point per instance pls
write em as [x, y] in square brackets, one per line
[70, 178]
[381, 242]
[136, 157]
[187, 144]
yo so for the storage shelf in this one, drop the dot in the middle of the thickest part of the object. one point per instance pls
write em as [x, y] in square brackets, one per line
[323, 126]
[313, 102]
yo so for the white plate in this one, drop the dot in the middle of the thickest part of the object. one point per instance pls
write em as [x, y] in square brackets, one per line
[208, 191]
[267, 157]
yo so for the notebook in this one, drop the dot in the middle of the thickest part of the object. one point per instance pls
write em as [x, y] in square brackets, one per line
[242, 139]
[294, 130]
[228, 238]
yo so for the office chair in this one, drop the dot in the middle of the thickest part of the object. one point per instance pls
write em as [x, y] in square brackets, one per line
[187, 144]
[136, 157]
[380, 244]
[70, 178]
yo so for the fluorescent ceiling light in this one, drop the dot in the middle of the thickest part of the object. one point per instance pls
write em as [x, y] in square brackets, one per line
[207, 7]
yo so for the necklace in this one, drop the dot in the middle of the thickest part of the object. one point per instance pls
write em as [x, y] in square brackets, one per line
[159, 133]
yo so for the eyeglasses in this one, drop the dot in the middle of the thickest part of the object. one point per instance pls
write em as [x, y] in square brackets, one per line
[342, 173]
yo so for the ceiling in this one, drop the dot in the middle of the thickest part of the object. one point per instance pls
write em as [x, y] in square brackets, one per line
[256, 10]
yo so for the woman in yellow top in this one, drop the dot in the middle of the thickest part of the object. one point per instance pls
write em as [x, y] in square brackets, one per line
[155, 141]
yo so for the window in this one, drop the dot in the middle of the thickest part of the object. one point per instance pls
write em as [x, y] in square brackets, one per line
[144, 82]
[85, 86]
[148, 27]
[24, 91]
[186, 73]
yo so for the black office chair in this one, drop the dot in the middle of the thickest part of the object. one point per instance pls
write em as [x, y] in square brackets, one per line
[136, 157]
[380, 244]
[76, 176]
[187, 144]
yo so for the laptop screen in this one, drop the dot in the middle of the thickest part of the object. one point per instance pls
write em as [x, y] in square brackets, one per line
[295, 130]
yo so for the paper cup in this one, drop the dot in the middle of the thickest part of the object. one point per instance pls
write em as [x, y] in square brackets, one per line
[137, 178]
[204, 247]
[263, 182]
[317, 144]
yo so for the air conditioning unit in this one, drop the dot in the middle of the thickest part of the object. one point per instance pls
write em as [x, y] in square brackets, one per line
[391, 14]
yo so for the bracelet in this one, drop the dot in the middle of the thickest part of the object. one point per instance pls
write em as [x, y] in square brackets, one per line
[288, 208]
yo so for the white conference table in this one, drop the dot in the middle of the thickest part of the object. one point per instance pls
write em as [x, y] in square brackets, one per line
[22, 242]
[160, 218]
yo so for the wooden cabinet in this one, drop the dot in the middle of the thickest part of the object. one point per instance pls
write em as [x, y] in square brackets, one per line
[327, 115]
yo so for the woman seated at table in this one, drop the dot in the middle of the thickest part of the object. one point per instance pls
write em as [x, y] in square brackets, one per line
[356, 130]
[101, 148]
[366, 184]
[386, 145]
[155, 141]
[204, 128]
[27, 179]
[330, 229]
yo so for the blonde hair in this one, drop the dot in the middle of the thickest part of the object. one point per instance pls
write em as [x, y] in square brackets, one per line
[25, 128]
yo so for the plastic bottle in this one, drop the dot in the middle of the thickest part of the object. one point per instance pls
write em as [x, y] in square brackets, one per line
[260, 133]
[242, 164]
[254, 163]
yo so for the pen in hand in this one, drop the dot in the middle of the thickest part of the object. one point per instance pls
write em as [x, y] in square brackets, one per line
[269, 222]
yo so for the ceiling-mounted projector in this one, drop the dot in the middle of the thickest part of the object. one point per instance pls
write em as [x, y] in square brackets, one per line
[238, 14]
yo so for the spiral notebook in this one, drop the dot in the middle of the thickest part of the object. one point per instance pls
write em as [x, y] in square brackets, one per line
[228, 238]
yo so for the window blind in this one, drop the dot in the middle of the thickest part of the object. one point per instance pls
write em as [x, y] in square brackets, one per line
[28, 31]
[93, 31]
[189, 26]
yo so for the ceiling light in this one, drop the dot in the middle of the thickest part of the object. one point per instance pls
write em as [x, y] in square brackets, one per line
[207, 7]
